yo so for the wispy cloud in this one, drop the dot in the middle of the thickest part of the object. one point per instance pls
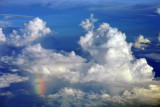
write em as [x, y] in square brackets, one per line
[12, 15]
[7, 79]
[150, 15]
[158, 10]
[5, 23]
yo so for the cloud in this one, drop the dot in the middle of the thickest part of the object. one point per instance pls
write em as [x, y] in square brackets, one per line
[159, 37]
[11, 16]
[75, 97]
[36, 59]
[158, 11]
[141, 42]
[115, 64]
[2, 36]
[31, 31]
[111, 75]
[153, 56]
[148, 96]
[67, 97]
[5, 23]
[8, 93]
[88, 23]
[113, 57]
[7, 79]
[141, 39]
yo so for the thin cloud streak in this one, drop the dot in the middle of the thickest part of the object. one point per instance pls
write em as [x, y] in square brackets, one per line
[12, 15]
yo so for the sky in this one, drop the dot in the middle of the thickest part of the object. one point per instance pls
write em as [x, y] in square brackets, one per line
[78, 53]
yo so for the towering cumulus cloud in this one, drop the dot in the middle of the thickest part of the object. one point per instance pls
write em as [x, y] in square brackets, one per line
[112, 56]
[110, 76]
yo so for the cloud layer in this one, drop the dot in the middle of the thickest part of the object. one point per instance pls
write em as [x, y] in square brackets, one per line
[111, 68]
[75, 97]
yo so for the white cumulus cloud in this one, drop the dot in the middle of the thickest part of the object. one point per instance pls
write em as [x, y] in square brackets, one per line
[2, 36]
[113, 58]
[32, 30]
[36, 59]
[67, 97]
[141, 42]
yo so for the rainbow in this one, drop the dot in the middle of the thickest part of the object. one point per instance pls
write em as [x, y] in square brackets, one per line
[40, 84]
